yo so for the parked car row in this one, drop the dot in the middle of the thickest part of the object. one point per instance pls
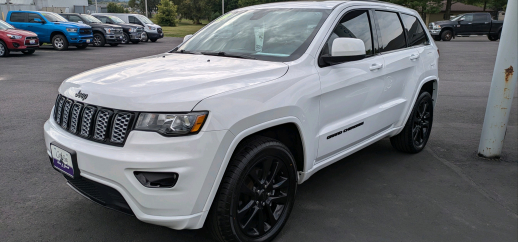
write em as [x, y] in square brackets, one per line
[25, 31]
[466, 25]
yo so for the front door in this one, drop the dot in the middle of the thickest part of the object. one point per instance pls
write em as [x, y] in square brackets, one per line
[38, 27]
[465, 23]
[351, 91]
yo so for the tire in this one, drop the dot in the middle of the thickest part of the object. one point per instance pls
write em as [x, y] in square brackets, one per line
[493, 37]
[415, 134]
[82, 47]
[436, 37]
[28, 52]
[125, 38]
[98, 40]
[153, 40]
[135, 41]
[59, 42]
[247, 196]
[446, 35]
[4, 52]
[143, 37]
[114, 45]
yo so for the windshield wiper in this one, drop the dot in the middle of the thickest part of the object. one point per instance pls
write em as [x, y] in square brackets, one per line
[222, 53]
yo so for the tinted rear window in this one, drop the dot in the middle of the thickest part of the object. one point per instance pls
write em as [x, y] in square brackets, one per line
[18, 17]
[392, 34]
[415, 31]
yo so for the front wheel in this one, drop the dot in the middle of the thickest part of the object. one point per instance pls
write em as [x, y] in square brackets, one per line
[4, 52]
[28, 52]
[415, 134]
[144, 37]
[256, 194]
[125, 38]
[99, 40]
[446, 35]
[59, 42]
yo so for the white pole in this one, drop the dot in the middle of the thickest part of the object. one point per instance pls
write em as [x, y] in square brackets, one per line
[502, 87]
[222, 7]
[146, 8]
[96, 6]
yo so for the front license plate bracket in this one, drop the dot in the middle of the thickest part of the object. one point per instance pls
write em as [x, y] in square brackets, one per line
[64, 160]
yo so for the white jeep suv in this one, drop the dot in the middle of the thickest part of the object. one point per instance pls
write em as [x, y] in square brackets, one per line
[220, 130]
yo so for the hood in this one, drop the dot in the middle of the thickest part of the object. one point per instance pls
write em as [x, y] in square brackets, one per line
[101, 25]
[154, 25]
[20, 32]
[71, 24]
[168, 82]
[443, 22]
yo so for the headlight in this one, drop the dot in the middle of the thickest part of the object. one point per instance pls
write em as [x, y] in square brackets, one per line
[109, 30]
[152, 28]
[14, 36]
[171, 124]
[72, 30]
[437, 27]
[132, 30]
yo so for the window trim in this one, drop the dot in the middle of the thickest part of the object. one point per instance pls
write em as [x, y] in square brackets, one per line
[424, 30]
[337, 22]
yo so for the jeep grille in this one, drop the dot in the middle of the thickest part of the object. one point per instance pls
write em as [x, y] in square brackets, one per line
[99, 124]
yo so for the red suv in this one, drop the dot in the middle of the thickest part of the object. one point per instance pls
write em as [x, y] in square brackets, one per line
[12, 39]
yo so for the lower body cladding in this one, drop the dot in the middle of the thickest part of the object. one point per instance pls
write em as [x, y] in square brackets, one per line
[114, 39]
[115, 176]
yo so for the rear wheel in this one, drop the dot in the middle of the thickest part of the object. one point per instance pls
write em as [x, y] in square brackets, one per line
[493, 37]
[99, 40]
[446, 35]
[59, 42]
[4, 52]
[28, 52]
[415, 134]
[125, 38]
[256, 194]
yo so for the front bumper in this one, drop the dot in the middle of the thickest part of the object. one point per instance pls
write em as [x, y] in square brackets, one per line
[434, 31]
[189, 156]
[155, 35]
[76, 39]
[22, 44]
[114, 38]
[135, 35]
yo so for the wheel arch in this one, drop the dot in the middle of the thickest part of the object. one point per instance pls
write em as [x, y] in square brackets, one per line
[448, 28]
[54, 33]
[272, 129]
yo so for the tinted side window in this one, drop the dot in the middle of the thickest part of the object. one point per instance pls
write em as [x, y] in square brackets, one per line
[102, 18]
[33, 16]
[133, 20]
[392, 34]
[414, 30]
[74, 18]
[480, 17]
[354, 24]
[18, 17]
[468, 17]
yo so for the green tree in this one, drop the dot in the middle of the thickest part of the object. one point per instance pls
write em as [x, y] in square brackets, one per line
[166, 13]
[115, 8]
[422, 6]
[195, 10]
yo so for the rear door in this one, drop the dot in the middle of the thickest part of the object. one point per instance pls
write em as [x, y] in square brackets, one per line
[18, 20]
[481, 23]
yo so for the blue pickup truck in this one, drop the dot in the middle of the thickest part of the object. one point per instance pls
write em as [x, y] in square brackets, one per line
[52, 28]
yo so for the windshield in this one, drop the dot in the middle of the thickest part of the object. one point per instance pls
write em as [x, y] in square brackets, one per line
[4, 25]
[53, 17]
[144, 19]
[457, 18]
[91, 18]
[263, 34]
[116, 20]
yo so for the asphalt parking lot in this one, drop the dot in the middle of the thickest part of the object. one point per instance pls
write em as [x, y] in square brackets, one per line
[445, 193]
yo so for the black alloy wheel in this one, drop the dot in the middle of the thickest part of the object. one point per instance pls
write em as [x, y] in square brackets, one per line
[98, 40]
[257, 192]
[493, 37]
[125, 38]
[415, 134]
[446, 35]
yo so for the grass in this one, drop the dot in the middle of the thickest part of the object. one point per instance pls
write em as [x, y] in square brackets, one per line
[183, 28]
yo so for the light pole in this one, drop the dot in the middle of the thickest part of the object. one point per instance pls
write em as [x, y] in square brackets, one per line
[146, 9]
[502, 88]
[222, 7]
[96, 6]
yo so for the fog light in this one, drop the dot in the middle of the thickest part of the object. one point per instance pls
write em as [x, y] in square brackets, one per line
[73, 38]
[156, 179]
[16, 45]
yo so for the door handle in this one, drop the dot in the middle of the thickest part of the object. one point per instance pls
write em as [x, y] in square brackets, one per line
[414, 56]
[469, 23]
[486, 22]
[375, 66]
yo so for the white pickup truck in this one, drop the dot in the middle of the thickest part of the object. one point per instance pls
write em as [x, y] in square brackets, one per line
[220, 130]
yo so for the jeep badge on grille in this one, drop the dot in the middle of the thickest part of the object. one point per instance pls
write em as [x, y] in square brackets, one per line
[81, 95]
